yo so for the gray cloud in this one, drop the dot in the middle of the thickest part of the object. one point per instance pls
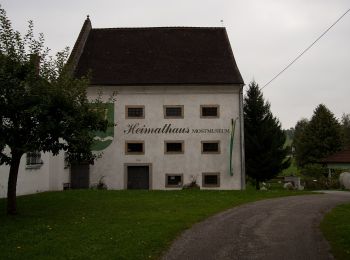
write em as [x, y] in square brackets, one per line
[265, 37]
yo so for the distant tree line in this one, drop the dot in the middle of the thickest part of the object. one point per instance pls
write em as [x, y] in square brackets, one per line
[320, 136]
[269, 149]
[345, 126]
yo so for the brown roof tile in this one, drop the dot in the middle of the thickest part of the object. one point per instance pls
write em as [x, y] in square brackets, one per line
[160, 55]
[339, 157]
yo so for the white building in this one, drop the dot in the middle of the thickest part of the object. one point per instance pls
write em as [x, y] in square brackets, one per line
[178, 92]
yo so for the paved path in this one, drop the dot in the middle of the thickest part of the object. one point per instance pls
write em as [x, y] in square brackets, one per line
[283, 228]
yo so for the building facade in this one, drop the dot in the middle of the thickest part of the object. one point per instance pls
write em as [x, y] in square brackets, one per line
[175, 96]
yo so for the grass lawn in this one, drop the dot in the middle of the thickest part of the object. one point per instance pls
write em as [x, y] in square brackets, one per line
[92, 224]
[336, 228]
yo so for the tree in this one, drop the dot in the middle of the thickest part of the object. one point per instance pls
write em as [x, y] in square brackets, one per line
[42, 106]
[299, 141]
[289, 133]
[345, 126]
[289, 140]
[318, 138]
[264, 138]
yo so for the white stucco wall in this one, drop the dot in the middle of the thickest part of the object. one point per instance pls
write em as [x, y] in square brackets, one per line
[49, 176]
[52, 174]
[30, 180]
[58, 173]
[192, 162]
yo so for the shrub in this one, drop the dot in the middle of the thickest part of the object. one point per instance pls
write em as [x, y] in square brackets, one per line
[314, 170]
[322, 183]
[315, 176]
[193, 183]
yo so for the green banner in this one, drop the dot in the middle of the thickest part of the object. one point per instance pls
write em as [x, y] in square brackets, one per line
[104, 139]
[232, 136]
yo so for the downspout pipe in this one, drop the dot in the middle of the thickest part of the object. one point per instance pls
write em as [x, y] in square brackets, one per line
[241, 118]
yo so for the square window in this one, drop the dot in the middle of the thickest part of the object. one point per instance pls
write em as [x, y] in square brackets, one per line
[134, 147]
[34, 159]
[210, 111]
[173, 111]
[135, 112]
[173, 180]
[210, 147]
[174, 147]
[211, 180]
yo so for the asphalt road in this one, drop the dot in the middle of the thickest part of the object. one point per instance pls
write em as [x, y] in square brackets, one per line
[283, 228]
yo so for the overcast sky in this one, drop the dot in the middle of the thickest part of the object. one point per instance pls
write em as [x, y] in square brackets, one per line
[265, 36]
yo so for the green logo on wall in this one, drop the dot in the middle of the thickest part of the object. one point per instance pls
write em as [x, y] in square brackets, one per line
[104, 139]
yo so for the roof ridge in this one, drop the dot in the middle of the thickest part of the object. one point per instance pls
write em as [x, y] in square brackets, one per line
[159, 55]
[160, 27]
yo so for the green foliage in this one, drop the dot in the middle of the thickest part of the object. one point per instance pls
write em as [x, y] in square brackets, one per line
[321, 183]
[315, 177]
[290, 133]
[290, 136]
[264, 138]
[99, 224]
[323, 134]
[42, 106]
[299, 143]
[318, 138]
[336, 228]
[289, 140]
[291, 170]
[345, 126]
[314, 170]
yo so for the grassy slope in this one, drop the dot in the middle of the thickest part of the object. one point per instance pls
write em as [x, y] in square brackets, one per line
[291, 170]
[90, 224]
[336, 228]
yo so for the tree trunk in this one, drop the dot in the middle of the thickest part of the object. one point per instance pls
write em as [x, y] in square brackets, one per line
[257, 184]
[12, 183]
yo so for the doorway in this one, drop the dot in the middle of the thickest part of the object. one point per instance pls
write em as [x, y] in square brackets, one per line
[80, 176]
[138, 177]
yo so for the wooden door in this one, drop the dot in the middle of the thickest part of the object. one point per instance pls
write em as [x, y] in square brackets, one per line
[80, 176]
[138, 177]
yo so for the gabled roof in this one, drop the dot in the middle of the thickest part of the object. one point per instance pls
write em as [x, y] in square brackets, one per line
[339, 157]
[159, 55]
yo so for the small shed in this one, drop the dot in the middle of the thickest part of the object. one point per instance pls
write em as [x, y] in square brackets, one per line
[339, 160]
